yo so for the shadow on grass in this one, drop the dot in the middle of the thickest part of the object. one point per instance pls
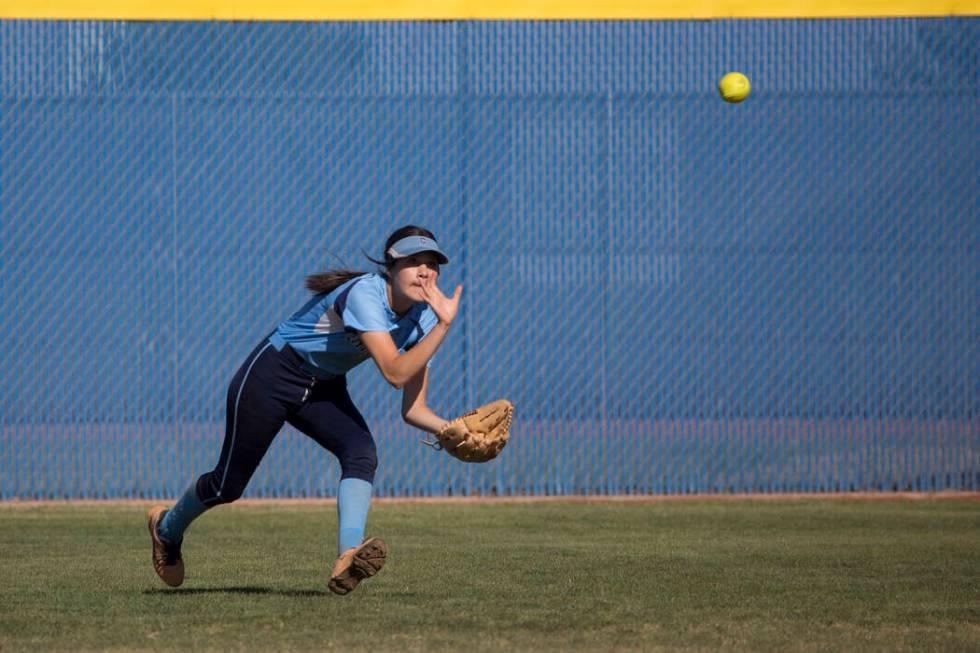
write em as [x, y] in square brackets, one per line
[237, 590]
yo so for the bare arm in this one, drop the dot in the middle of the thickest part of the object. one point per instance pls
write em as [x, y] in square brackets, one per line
[399, 369]
[414, 409]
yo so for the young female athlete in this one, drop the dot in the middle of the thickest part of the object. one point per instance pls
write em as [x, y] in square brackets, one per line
[398, 317]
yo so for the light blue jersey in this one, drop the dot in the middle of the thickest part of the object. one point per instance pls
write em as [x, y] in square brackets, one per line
[325, 332]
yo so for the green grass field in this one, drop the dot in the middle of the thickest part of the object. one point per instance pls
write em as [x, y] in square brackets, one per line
[737, 575]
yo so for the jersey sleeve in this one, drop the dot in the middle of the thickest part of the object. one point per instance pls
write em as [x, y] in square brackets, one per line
[362, 308]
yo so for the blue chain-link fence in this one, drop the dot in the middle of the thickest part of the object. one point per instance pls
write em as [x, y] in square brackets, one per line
[680, 295]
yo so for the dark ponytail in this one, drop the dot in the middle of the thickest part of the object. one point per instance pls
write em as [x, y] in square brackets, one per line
[327, 281]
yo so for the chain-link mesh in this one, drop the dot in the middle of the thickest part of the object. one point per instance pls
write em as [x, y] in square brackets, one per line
[680, 295]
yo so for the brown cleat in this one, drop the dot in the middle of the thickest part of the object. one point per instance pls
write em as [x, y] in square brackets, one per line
[356, 564]
[166, 557]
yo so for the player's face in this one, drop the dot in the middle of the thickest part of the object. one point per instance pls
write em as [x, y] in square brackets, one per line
[412, 271]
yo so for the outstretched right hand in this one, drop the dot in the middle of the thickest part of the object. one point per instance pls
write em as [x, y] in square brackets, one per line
[444, 307]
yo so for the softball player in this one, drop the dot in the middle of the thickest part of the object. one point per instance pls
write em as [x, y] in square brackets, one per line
[398, 317]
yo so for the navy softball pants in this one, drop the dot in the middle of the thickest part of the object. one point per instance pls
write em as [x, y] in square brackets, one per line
[272, 388]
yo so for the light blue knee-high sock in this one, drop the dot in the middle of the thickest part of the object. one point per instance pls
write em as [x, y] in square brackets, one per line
[178, 518]
[353, 501]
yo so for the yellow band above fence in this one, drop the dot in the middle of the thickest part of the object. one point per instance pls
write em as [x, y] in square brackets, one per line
[476, 9]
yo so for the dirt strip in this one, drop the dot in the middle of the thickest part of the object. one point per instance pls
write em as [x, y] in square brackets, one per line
[632, 498]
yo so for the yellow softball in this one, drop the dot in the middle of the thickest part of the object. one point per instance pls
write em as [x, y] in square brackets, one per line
[734, 87]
